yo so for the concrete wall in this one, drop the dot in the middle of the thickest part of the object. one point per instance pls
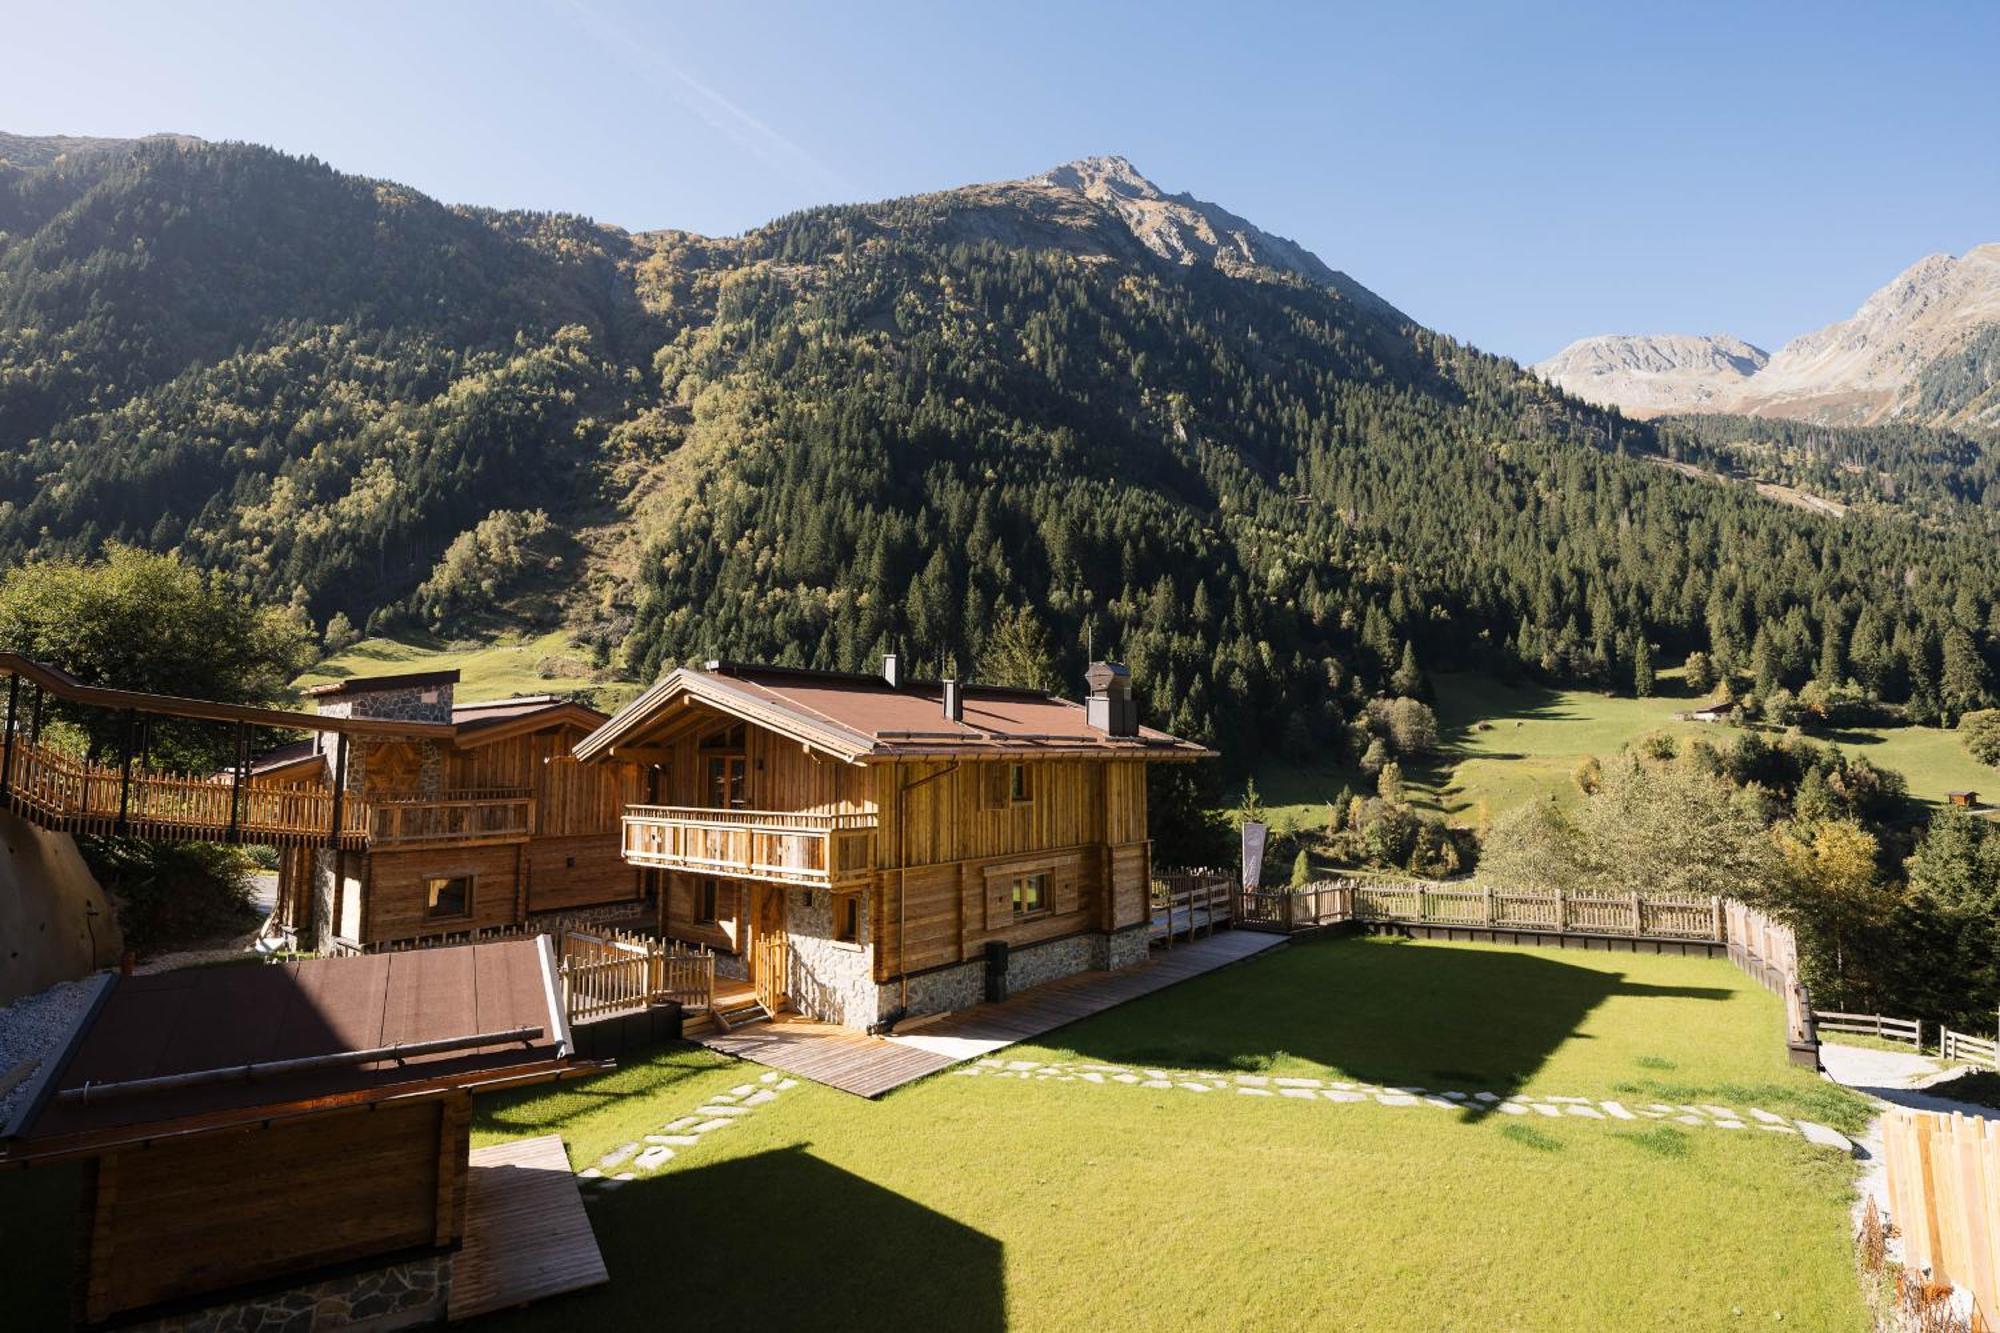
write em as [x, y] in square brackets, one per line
[55, 922]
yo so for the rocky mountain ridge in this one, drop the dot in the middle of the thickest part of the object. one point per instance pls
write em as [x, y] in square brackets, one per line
[1913, 352]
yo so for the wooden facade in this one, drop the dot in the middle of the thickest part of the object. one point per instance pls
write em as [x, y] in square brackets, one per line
[916, 846]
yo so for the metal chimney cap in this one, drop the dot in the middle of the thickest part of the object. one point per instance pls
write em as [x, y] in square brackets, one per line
[1101, 674]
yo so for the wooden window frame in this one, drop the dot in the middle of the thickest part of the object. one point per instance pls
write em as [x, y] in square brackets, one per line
[432, 883]
[707, 901]
[847, 919]
[1020, 785]
[1045, 894]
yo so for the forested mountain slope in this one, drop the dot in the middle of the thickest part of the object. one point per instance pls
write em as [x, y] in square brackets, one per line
[994, 423]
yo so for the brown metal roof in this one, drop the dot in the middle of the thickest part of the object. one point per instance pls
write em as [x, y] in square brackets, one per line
[862, 717]
[218, 1017]
[408, 680]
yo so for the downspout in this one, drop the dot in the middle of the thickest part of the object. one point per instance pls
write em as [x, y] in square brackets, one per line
[903, 788]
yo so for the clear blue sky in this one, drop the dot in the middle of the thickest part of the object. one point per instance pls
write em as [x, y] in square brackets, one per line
[1516, 179]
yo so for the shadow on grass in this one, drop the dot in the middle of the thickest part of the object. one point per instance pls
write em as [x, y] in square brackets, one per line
[811, 1240]
[1431, 1016]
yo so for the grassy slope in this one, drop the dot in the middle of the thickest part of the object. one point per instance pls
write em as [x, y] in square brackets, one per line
[1011, 1204]
[1504, 745]
[492, 670]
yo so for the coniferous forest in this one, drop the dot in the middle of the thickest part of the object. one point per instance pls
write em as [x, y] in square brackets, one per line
[984, 425]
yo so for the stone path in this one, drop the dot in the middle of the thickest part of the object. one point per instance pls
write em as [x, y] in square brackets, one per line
[629, 1161]
[1323, 1092]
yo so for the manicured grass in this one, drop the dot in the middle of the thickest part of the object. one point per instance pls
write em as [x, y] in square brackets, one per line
[493, 670]
[1503, 745]
[987, 1203]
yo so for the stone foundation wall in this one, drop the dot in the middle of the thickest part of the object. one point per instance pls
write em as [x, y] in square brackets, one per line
[404, 1295]
[325, 874]
[964, 985]
[830, 981]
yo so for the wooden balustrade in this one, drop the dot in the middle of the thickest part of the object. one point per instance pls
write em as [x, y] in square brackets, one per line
[1636, 914]
[613, 972]
[458, 818]
[779, 847]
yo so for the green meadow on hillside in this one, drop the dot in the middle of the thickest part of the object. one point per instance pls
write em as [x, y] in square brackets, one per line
[1502, 745]
[546, 664]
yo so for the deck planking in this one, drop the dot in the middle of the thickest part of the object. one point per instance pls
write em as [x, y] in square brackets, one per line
[526, 1233]
[871, 1066]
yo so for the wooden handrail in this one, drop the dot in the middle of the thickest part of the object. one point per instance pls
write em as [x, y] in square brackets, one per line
[784, 821]
[65, 686]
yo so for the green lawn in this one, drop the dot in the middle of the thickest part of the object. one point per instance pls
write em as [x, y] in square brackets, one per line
[550, 663]
[1503, 745]
[988, 1202]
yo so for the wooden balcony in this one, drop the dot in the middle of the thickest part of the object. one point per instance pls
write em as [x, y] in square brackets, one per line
[776, 847]
[451, 818]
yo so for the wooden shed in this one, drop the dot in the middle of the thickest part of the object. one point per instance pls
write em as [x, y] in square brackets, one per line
[256, 1127]
[1964, 800]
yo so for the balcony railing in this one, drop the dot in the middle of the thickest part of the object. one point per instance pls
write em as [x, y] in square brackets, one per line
[777, 847]
[451, 817]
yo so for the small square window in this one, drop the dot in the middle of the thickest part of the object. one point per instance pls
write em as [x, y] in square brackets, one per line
[1018, 788]
[705, 902]
[847, 918]
[1031, 894]
[448, 896]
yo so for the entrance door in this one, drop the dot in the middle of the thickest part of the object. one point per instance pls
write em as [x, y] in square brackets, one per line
[770, 950]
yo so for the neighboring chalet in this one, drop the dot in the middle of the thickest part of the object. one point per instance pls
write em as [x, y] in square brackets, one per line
[477, 817]
[869, 848]
[288, 1145]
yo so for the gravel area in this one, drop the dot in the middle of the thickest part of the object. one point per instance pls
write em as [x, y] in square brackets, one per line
[30, 1030]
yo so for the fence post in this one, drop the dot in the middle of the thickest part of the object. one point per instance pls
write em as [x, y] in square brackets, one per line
[1562, 914]
[1638, 915]
[13, 705]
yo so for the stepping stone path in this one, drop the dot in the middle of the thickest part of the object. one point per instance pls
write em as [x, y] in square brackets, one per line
[1320, 1091]
[719, 1112]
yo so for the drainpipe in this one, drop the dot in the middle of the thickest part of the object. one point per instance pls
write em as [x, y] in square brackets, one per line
[903, 787]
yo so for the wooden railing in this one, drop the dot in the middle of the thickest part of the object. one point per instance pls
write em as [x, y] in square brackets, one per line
[73, 795]
[1943, 1179]
[778, 847]
[611, 972]
[454, 817]
[1636, 914]
[1188, 901]
[1880, 1026]
[773, 970]
[1963, 1048]
[1326, 903]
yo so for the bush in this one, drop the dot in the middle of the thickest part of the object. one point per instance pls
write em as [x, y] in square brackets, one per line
[171, 894]
[1981, 733]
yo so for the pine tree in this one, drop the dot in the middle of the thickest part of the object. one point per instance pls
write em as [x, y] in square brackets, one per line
[1408, 679]
[1642, 667]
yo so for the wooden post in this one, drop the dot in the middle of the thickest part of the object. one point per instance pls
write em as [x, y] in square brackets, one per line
[339, 789]
[1562, 914]
[35, 717]
[125, 769]
[236, 783]
[7, 762]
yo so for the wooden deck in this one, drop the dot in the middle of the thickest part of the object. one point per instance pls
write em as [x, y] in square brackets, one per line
[871, 1066]
[526, 1234]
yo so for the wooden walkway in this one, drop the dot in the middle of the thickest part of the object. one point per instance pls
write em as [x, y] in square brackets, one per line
[526, 1234]
[871, 1066]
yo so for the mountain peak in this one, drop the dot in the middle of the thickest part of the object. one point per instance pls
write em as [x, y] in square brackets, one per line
[1650, 374]
[1098, 176]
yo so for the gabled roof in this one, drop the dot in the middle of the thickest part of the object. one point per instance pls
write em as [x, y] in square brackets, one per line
[498, 719]
[297, 1025]
[860, 718]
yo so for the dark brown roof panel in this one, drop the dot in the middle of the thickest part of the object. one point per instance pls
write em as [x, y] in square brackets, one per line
[409, 680]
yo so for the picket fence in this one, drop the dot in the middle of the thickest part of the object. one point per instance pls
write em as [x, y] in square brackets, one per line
[1943, 1178]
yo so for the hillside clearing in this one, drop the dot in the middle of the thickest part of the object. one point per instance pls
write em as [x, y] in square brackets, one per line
[550, 663]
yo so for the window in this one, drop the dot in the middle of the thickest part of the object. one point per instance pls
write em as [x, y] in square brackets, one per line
[1018, 790]
[1031, 894]
[1002, 785]
[726, 782]
[704, 907]
[729, 738]
[448, 896]
[847, 918]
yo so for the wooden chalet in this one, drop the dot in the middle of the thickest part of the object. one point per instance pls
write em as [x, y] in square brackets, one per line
[487, 822]
[252, 1132]
[865, 849]
[405, 817]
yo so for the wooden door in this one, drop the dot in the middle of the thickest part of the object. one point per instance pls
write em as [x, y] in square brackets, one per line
[770, 950]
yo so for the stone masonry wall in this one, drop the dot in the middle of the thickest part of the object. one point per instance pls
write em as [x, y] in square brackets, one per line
[830, 981]
[378, 1300]
[962, 986]
[425, 703]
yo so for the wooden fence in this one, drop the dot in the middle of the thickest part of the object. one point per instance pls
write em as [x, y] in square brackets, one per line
[1187, 901]
[1943, 1177]
[1910, 1030]
[1962, 1048]
[1642, 915]
[614, 972]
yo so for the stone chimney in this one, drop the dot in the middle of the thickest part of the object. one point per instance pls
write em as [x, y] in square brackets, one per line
[954, 701]
[421, 696]
[892, 671]
[1109, 707]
